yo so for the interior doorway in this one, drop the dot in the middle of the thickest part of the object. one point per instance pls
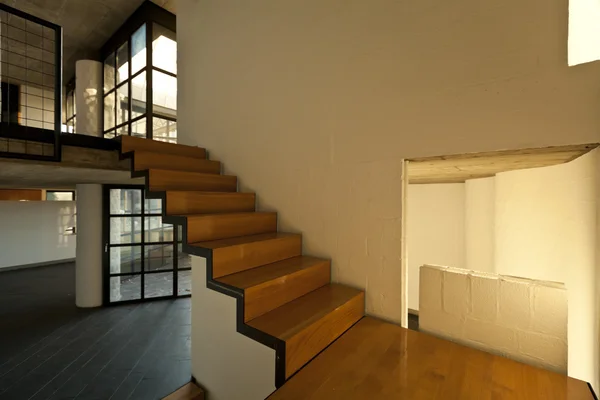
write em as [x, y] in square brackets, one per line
[143, 257]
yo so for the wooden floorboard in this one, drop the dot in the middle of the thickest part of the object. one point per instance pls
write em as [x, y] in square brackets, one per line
[50, 349]
[378, 360]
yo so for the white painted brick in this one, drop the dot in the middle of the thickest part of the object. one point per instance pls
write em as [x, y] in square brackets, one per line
[430, 292]
[550, 311]
[484, 297]
[514, 308]
[441, 324]
[496, 337]
[456, 293]
[551, 352]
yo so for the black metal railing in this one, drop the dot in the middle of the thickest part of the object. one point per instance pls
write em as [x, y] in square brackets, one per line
[31, 86]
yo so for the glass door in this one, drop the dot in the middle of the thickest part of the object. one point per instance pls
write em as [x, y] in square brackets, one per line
[143, 258]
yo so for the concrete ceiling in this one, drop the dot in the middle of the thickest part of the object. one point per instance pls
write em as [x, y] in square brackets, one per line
[460, 167]
[87, 24]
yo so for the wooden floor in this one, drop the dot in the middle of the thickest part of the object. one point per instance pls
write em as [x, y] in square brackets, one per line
[378, 360]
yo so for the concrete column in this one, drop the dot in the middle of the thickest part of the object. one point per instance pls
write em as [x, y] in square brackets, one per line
[88, 263]
[88, 95]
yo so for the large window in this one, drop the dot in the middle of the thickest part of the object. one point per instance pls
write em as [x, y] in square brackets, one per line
[140, 85]
[70, 110]
[144, 257]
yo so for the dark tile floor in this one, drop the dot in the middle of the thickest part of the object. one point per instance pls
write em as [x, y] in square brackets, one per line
[50, 349]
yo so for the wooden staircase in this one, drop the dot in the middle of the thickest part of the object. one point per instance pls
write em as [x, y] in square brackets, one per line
[285, 300]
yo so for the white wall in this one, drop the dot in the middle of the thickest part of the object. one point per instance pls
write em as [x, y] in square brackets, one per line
[479, 224]
[522, 319]
[315, 103]
[435, 230]
[227, 364]
[546, 228]
[34, 232]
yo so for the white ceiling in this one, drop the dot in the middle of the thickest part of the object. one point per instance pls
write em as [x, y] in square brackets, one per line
[87, 24]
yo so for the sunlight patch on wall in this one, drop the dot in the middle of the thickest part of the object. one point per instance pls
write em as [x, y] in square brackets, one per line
[584, 31]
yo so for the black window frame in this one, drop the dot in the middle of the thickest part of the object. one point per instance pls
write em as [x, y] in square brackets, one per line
[177, 244]
[148, 14]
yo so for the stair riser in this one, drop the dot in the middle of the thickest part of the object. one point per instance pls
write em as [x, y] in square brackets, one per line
[187, 203]
[261, 299]
[305, 345]
[170, 180]
[201, 229]
[229, 260]
[144, 161]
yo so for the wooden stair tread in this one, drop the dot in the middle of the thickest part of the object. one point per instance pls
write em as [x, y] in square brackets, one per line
[286, 321]
[165, 180]
[132, 143]
[205, 227]
[180, 202]
[269, 272]
[189, 391]
[144, 160]
[244, 252]
[216, 244]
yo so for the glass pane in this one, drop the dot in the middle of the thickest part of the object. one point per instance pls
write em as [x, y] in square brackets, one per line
[125, 259]
[109, 73]
[164, 49]
[180, 235]
[183, 260]
[138, 49]
[125, 201]
[153, 206]
[74, 103]
[109, 135]
[184, 285]
[122, 104]
[123, 130]
[138, 94]
[123, 63]
[158, 257]
[156, 231]
[158, 285]
[123, 288]
[109, 111]
[164, 94]
[69, 105]
[59, 196]
[125, 230]
[164, 130]
[138, 128]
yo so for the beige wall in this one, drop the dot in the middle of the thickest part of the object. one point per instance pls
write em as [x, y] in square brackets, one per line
[546, 228]
[522, 319]
[315, 103]
[227, 364]
[435, 230]
[479, 224]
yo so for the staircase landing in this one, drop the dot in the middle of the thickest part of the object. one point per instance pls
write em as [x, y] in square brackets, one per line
[378, 360]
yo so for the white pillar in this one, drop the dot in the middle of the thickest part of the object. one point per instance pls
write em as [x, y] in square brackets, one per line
[88, 95]
[88, 264]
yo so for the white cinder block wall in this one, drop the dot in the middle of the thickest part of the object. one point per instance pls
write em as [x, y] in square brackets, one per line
[546, 229]
[441, 206]
[317, 121]
[522, 319]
